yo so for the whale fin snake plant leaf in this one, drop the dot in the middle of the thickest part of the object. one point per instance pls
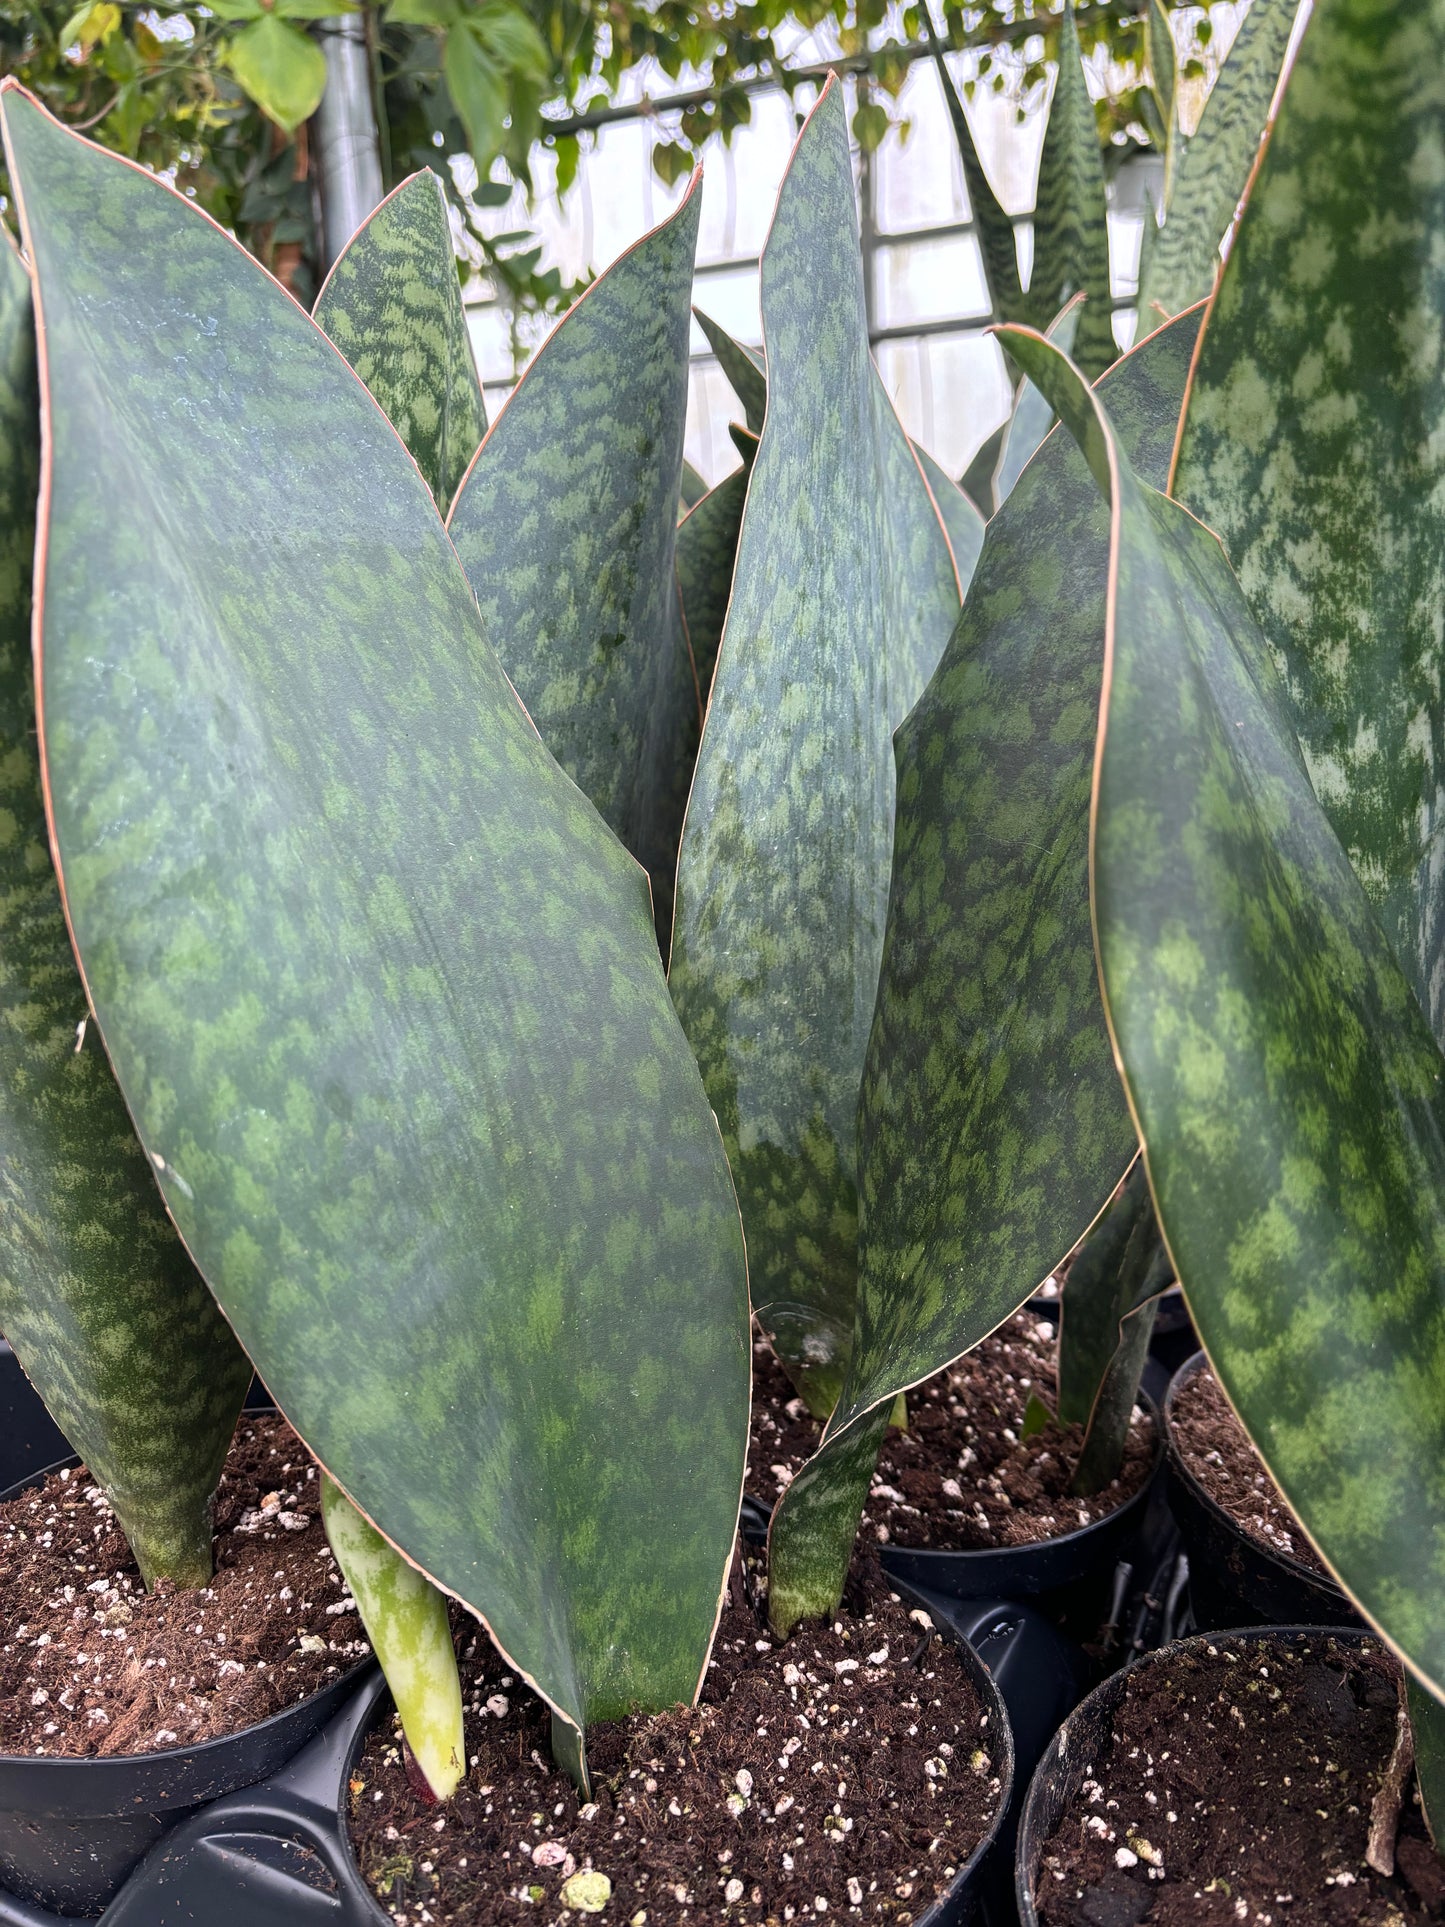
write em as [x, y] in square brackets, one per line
[392, 303]
[380, 988]
[843, 595]
[106, 1313]
[566, 524]
[992, 1130]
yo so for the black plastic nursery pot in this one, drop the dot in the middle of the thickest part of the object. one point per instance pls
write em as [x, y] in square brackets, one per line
[1074, 1748]
[29, 1436]
[280, 1855]
[1234, 1579]
[1081, 1561]
[73, 1829]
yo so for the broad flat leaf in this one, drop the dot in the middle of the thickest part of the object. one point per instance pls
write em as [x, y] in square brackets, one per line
[1314, 442]
[408, 1624]
[110, 1319]
[994, 227]
[393, 306]
[1179, 264]
[1032, 418]
[842, 599]
[1071, 230]
[1427, 1723]
[992, 1129]
[281, 68]
[743, 369]
[962, 523]
[1289, 1093]
[381, 989]
[566, 525]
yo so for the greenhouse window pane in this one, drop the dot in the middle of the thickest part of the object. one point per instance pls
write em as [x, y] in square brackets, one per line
[950, 391]
[728, 296]
[918, 182]
[932, 280]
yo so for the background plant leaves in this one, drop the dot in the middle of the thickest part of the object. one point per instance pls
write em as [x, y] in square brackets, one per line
[566, 525]
[1178, 265]
[393, 306]
[1071, 229]
[842, 598]
[381, 989]
[107, 1314]
[991, 1128]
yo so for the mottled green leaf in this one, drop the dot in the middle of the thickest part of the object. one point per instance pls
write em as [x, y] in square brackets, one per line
[1314, 442]
[1178, 266]
[962, 523]
[842, 598]
[1071, 230]
[107, 1314]
[566, 525]
[408, 1625]
[1289, 1093]
[992, 1129]
[977, 479]
[707, 542]
[1106, 1317]
[381, 989]
[743, 369]
[393, 306]
[1032, 418]
[993, 226]
[693, 487]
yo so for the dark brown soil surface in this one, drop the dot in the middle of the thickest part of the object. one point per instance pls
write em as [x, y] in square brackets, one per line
[849, 1771]
[92, 1664]
[784, 1432]
[1217, 1450]
[1238, 1788]
[961, 1478]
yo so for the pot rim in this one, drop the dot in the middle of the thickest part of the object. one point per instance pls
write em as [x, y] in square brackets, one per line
[204, 1751]
[1107, 1694]
[1180, 1468]
[936, 1914]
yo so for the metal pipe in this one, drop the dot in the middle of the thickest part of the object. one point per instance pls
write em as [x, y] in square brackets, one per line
[348, 161]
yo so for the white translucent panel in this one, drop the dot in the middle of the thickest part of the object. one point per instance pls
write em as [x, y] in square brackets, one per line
[711, 405]
[1008, 147]
[918, 181]
[1126, 327]
[491, 342]
[741, 178]
[933, 280]
[1126, 237]
[495, 397]
[728, 296]
[950, 392]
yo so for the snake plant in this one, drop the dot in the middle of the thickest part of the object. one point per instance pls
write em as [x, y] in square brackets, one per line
[379, 987]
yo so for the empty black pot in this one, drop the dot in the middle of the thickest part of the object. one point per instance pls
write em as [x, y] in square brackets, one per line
[1233, 1578]
[71, 1830]
[1076, 1745]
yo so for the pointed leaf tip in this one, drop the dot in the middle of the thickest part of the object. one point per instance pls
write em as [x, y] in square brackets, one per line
[1065, 387]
